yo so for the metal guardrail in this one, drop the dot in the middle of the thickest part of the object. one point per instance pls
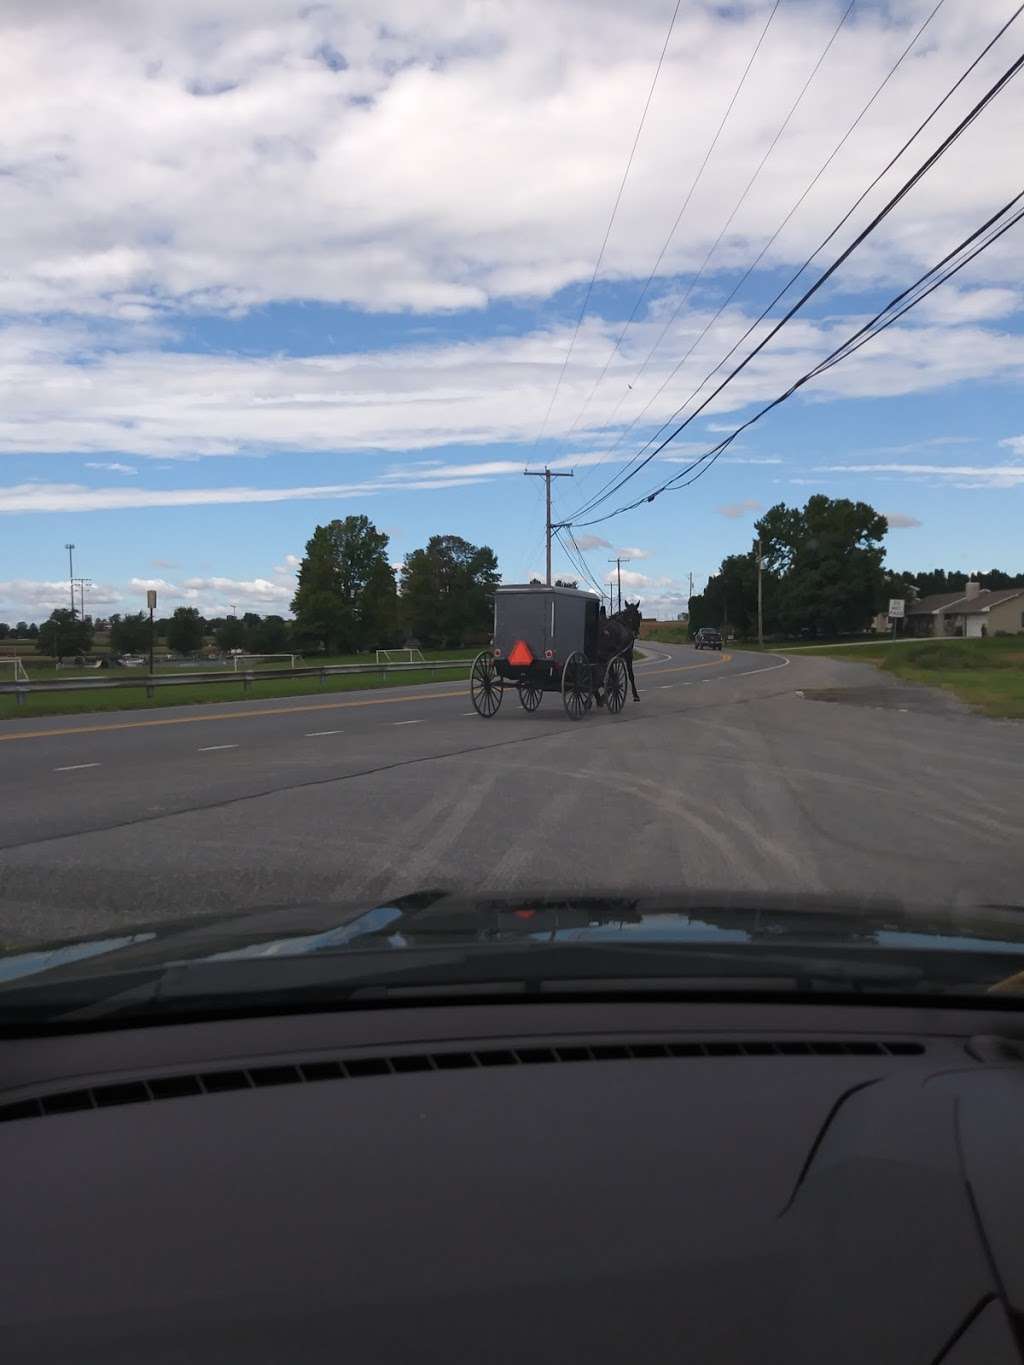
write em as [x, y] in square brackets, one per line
[151, 682]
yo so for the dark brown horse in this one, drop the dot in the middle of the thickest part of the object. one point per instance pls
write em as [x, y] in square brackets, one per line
[616, 635]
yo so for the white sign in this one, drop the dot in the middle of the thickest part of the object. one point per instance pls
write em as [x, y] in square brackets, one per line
[151, 599]
[896, 606]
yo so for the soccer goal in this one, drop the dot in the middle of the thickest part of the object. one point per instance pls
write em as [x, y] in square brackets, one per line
[400, 656]
[12, 670]
[248, 661]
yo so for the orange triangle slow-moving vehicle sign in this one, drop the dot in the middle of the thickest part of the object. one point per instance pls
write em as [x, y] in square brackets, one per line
[520, 653]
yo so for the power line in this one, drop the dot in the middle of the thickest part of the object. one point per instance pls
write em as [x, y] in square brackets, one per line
[611, 221]
[679, 216]
[756, 262]
[892, 203]
[967, 250]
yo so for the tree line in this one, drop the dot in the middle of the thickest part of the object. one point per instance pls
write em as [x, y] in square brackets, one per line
[823, 574]
[348, 598]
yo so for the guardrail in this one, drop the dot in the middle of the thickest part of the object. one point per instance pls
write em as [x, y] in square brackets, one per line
[151, 682]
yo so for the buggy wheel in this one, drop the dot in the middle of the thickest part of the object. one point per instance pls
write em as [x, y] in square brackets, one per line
[485, 687]
[615, 684]
[577, 692]
[529, 695]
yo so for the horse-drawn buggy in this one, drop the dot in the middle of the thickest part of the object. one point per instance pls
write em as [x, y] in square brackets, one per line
[556, 640]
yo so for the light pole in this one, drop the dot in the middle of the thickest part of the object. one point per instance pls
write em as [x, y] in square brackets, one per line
[71, 574]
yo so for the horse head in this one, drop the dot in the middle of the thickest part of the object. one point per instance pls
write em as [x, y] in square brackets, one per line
[630, 614]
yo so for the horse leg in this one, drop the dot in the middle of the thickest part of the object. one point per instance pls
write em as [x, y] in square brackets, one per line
[629, 670]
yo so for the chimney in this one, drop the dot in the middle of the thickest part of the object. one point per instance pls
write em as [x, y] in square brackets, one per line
[972, 589]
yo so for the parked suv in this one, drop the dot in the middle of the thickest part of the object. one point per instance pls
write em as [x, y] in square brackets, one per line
[707, 638]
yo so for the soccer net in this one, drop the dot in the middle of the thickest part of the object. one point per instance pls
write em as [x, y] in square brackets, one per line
[12, 670]
[400, 656]
[249, 661]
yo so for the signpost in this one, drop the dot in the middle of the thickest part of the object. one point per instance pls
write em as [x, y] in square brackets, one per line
[896, 612]
[151, 604]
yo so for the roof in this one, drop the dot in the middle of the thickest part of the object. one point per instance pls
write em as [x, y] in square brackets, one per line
[982, 601]
[924, 606]
[543, 588]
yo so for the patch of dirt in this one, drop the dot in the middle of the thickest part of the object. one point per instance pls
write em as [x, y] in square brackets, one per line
[892, 696]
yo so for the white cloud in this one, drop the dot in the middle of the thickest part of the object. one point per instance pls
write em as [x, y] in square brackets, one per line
[632, 579]
[977, 476]
[1016, 444]
[442, 156]
[111, 466]
[591, 542]
[741, 509]
[633, 552]
[900, 521]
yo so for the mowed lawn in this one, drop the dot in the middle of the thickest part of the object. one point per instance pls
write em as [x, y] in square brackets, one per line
[135, 699]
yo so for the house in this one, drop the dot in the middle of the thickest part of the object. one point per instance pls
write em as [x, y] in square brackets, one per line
[974, 612]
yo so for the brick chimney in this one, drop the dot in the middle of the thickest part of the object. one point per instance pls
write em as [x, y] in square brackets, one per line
[972, 589]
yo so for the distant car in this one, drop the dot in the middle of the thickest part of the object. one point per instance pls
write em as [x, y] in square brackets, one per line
[706, 638]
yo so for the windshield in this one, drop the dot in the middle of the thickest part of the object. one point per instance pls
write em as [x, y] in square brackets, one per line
[510, 496]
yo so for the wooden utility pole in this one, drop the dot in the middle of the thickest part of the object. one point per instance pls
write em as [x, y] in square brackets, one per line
[760, 598]
[547, 475]
[618, 562]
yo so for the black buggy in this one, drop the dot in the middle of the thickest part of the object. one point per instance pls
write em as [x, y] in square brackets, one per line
[547, 640]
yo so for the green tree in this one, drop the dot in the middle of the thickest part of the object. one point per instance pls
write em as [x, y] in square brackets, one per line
[231, 633]
[129, 634]
[185, 630]
[21, 630]
[65, 633]
[447, 591]
[378, 612]
[5, 630]
[341, 560]
[33, 631]
[826, 563]
[271, 636]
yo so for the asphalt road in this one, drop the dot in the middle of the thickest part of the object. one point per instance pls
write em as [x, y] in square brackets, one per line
[730, 774]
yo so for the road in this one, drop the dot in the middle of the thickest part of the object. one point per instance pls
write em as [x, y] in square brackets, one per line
[741, 772]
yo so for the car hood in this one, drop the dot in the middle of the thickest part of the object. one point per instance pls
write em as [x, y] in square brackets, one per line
[440, 920]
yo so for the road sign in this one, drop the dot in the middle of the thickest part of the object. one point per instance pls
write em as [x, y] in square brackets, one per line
[151, 599]
[896, 605]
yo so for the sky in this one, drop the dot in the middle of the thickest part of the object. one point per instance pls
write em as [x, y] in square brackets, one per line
[265, 264]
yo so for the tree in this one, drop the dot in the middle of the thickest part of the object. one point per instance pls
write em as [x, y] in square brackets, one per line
[5, 630]
[21, 630]
[65, 633]
[33, 631]
[185, 630]
[341, 560]
[447, 590]
[129, 634]
[231, 634]
[827, 560]
[378, 613]
[271, 636]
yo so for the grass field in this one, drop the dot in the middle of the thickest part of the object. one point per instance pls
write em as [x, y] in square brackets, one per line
[135, 699]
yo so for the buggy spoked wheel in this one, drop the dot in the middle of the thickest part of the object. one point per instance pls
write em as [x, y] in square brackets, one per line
[529, 696]
[577, 690]
[485, 686]
[616, 681]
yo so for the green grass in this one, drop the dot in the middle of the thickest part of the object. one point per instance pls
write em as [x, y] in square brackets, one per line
[135, 699]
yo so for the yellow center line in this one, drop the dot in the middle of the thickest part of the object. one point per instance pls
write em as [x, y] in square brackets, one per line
[226, 715]
[685, 668]
[283, 710]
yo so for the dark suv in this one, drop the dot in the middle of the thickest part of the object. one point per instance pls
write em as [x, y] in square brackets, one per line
[707, 638]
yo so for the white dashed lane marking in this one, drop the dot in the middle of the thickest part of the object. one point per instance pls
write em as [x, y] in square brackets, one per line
[406, 722]
[74, 767]
[315, 734]
[210, 748]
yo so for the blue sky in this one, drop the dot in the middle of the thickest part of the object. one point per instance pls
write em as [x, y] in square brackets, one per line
[268, 264]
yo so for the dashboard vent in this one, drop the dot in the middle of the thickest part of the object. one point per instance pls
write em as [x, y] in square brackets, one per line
[354, 1068]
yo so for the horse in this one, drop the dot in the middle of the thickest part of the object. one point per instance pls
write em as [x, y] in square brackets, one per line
[616, 635]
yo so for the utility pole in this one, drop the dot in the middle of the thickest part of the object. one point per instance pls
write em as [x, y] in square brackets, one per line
[547, 475]
[71, 575]
[82, 583]
[618, 562]
[760, 598]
